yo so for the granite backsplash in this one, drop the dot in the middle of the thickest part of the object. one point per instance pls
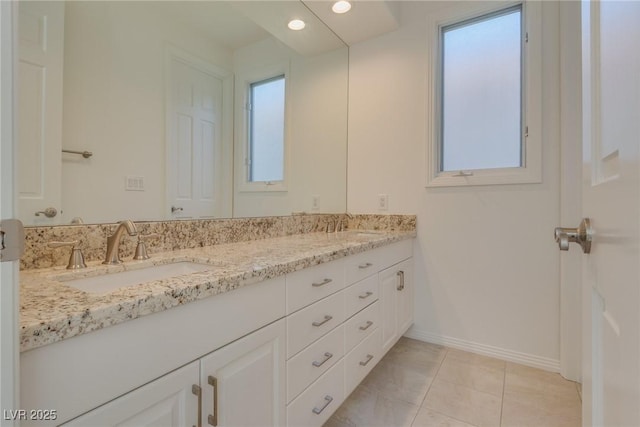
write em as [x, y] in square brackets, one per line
[185, 234]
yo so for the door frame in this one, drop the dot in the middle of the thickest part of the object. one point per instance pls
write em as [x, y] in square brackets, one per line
[9, 271]
[570, 187]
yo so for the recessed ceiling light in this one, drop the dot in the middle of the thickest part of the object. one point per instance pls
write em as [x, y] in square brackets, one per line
[341, 6]
[296, 24]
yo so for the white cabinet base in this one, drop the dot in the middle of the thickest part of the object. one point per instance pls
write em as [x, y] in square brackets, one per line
[167, 402]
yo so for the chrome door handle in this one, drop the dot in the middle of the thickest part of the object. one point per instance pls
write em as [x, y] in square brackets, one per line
[581, 235]
[327, 356]
[364, 328]
[367, 360]
[327, 400]
[326, 319]
[324, 282]
[365, 295]
[195, 389]
[49, 212]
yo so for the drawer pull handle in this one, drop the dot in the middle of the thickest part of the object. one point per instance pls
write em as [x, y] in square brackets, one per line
[365, 296]
[366, 362]
[366, 265]
[364, 328]
[327, 356]
[401, 284]
[326, 319]
[324, 282]
[195, 389]
[213, 419]
[328, 399]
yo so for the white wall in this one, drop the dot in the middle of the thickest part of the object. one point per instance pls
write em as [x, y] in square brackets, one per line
[114, 106]
[486, 267]
[317, 120]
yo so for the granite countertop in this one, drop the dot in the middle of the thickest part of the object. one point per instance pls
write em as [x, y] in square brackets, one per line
[52, 311]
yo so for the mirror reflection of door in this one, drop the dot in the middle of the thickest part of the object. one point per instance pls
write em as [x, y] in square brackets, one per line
[41, 41]
[195, 132]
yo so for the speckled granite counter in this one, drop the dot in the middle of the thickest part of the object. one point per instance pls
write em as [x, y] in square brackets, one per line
[51, 311]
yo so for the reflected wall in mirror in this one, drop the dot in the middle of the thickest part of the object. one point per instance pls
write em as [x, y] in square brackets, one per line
[157, 93]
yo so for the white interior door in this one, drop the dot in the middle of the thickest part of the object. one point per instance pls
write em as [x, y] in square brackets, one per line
[195, 138]
[40, 46]
[611, 198]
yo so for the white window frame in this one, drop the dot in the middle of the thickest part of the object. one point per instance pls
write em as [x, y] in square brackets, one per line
[530, 171]
[243, 93]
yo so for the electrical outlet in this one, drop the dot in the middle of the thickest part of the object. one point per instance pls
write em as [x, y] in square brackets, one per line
[383, 202]
[315, 202]
[134, 183]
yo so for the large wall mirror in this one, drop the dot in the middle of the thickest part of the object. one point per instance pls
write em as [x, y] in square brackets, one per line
[157, 110]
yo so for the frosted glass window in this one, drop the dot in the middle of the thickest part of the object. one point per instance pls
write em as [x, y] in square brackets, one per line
[266, 130]
[481, 92]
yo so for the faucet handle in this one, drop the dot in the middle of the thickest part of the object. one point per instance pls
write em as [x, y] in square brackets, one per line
[141, 248]
[76, 259]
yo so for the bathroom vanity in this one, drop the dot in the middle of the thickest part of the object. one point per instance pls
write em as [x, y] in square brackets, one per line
[276, 331]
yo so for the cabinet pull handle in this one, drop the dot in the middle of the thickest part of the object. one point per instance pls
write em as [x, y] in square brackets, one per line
[326, 319]
[328, 399]
[401, 284]
[213, 419]
[327, 356]
[364, 328]
[366, 265]
[366, 295]
[195, 389]
[324, 282]
[366, 362]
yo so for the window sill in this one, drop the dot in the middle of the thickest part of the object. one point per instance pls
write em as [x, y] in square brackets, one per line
[486, 177]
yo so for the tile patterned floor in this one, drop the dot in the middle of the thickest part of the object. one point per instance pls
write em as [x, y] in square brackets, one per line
[420, 384]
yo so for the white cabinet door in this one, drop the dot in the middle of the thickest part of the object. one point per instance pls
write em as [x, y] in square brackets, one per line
[244, 382]
[388, 301]
[166, 402]
[396, 300]
[405, 295]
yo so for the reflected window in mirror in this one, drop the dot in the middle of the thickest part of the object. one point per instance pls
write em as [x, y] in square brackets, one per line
[262, 127]
[266, 130]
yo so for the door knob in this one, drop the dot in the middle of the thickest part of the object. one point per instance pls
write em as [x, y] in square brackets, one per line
[581, 235]
[49, 212]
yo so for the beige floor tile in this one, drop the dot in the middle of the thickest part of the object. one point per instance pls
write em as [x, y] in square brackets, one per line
[401, 381]
[369, 408]
[428, 418]
[479, 377]
[526, 379]
[424, 362]
[463, 403]
[464, 356]
[427, 351]
[537, 410]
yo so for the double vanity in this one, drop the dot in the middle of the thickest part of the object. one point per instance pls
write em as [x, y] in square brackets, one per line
[277, 331]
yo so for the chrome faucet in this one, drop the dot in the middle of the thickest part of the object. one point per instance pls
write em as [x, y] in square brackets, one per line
[113, 241]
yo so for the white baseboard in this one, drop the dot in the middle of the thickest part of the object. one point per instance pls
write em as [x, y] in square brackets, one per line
[545, 363]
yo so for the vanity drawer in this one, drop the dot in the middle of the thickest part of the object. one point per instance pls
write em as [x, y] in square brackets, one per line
[306, 366]
[361, 294]
[311, 323]
[312, 284]
[360, 361]
[362, 265]
[317, 403]
[361, 326]
[396, 252]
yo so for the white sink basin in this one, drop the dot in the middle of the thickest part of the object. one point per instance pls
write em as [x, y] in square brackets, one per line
[112, 281]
